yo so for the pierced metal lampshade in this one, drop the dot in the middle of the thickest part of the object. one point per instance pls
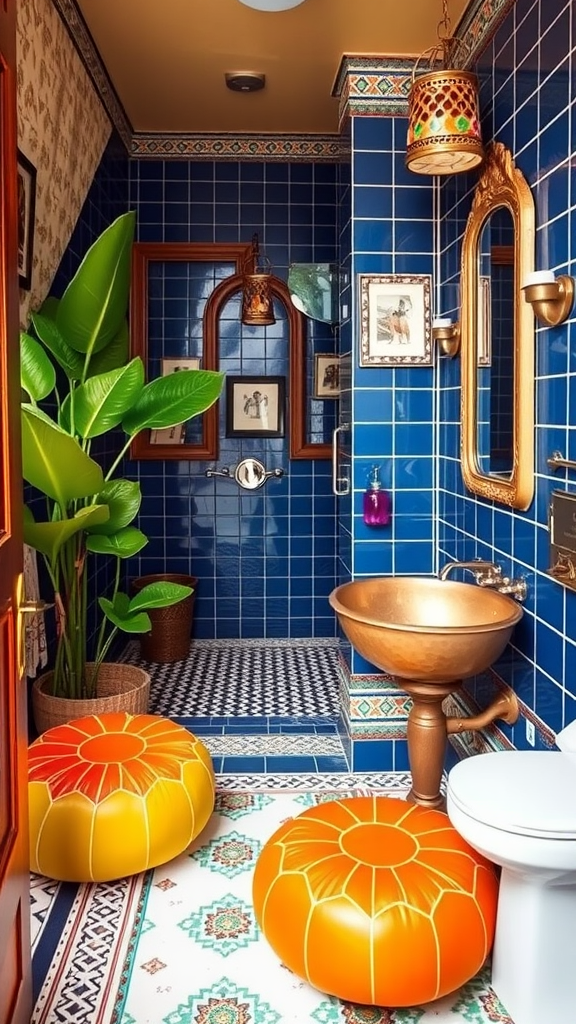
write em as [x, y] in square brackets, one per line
[444, 135]
[257, 304]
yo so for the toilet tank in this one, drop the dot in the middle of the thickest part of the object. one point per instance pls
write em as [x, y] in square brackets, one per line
[566, 738]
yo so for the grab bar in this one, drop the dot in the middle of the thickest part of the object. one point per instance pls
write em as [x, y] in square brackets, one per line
[335, 478]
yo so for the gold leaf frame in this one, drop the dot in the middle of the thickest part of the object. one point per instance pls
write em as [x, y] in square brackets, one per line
[501, 184]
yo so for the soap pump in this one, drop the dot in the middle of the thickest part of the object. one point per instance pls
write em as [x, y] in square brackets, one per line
[376, 501]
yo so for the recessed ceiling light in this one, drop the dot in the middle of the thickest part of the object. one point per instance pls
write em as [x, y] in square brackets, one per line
[271, 5]
[245, 81]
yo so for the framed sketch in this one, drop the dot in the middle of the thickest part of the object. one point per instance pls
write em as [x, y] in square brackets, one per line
[255, 406]
[26, 176]
[326, 376]
[395, 320]
[173, 435]
[484, 321]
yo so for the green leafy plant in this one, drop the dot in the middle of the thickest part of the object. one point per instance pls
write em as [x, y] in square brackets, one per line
[89, 510]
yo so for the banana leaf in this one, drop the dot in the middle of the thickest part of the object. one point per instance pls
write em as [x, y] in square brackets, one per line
[93, 307]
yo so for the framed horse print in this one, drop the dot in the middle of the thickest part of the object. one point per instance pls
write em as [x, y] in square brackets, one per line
[395, 320]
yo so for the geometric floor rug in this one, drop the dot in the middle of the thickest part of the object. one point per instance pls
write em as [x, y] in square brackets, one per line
[180, 945]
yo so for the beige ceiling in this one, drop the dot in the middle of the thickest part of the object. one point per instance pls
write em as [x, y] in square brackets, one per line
[167, 58]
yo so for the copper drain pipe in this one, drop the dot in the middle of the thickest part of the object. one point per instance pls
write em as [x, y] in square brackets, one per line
[505, 706]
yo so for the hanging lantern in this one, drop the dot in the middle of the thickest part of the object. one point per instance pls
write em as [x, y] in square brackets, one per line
[444, 134]
[257, 307]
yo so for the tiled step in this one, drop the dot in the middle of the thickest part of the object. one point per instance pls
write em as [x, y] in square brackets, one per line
[270, 744]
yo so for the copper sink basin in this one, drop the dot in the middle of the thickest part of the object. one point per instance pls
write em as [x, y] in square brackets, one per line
[423, 628]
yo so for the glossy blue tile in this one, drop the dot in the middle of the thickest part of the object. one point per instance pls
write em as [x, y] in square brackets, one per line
[243, 765]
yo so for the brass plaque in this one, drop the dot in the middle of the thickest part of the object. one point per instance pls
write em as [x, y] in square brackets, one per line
[563, 538]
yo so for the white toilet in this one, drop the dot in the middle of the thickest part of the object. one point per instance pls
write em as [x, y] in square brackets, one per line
[518, 808]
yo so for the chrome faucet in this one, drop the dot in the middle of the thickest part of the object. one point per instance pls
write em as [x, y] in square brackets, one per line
[488, 574]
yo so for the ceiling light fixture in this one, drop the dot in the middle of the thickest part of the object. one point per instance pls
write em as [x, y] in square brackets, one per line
[245, 81]
[443, 117]
[272, 5]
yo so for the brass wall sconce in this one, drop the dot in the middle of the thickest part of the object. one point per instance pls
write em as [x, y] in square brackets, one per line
[551, 297]
[257, 305]
[446, 335]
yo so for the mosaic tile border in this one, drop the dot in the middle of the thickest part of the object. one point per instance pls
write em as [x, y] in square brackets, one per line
[365, 86]
[476, 27]
[305, 148]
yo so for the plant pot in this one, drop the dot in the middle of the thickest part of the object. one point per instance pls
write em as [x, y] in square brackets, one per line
[169, 638]
[120, 688]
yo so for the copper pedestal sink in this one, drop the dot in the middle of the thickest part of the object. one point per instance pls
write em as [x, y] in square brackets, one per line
[429, 634]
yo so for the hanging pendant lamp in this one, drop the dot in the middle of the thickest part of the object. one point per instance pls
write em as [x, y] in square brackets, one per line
[257, 307]
[444, 134]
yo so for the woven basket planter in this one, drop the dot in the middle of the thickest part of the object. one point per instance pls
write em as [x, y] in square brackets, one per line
[169, 638]
[119, 688]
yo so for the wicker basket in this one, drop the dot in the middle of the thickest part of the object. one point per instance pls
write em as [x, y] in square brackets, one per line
[119, 688]
[169, 638]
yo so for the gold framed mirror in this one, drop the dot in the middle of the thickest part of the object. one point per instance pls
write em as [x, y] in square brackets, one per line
[497, 329]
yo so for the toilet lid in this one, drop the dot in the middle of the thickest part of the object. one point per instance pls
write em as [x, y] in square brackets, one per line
[527, 792]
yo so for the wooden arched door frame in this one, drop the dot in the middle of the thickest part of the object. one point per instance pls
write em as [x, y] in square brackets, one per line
[300, 447]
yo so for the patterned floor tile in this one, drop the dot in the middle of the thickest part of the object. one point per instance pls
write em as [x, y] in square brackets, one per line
[274, 744]
[247, 677]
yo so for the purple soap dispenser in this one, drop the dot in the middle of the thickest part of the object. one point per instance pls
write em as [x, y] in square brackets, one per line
[376, 501]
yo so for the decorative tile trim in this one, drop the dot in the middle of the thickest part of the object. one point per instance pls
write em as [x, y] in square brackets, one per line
[278, 744]
[382, 730]
[309, 148]
[370, 706]
[371, 85]
[477, 26]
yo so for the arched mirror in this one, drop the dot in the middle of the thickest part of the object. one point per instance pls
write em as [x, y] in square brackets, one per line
[498, 336]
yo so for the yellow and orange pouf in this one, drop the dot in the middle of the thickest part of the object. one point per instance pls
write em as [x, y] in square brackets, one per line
[376, 901]
[114, 794]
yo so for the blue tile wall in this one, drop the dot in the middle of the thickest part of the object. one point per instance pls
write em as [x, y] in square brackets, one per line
[265, 560]
[391, 408]
[527, 89]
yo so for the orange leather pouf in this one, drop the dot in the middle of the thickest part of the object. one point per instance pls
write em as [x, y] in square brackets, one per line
[375, 900]
[114, 794]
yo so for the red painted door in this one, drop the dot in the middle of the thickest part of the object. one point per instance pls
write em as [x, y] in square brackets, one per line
[15, 969]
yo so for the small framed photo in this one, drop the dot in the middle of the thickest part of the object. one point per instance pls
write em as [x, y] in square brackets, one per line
[255, 406]
[395, 320]
[177, 434]
[326, 376]
[174, 365]
[26, 177]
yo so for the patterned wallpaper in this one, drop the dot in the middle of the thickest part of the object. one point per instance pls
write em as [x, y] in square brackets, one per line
[62, 128]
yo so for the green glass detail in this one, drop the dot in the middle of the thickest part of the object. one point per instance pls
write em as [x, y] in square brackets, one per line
[463, 123]
[419, 128]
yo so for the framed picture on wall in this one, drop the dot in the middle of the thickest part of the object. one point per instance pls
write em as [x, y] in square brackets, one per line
[326, 376]
[255, 406]
[173, 435]
[26, 177]
[395, 320]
